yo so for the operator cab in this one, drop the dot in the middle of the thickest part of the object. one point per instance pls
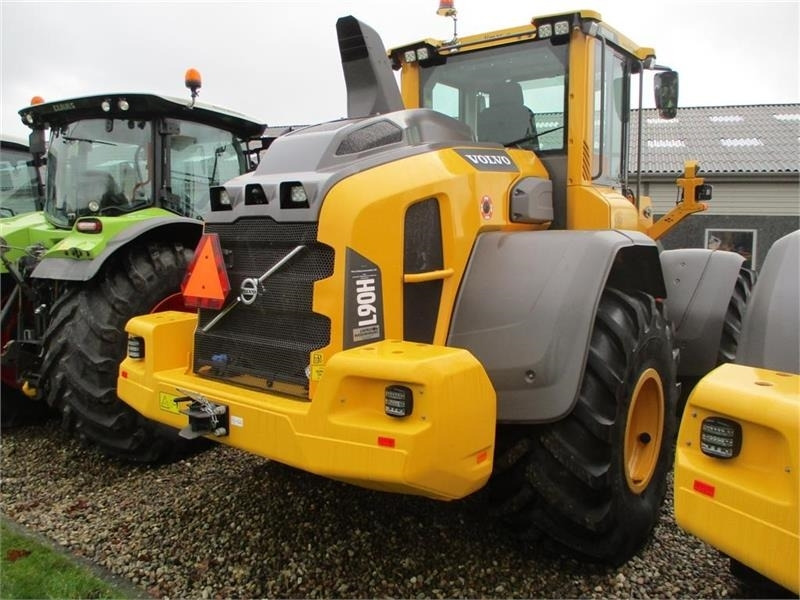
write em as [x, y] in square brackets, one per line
[560, 87]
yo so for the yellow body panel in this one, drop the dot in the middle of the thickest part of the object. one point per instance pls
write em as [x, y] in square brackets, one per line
[747, 506]
[376, 227]
[595, 207]
[442, 450]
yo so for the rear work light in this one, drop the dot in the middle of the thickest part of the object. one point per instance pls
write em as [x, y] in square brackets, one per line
[398, 401]
[561, 28]
[720, 438]
[135, 347]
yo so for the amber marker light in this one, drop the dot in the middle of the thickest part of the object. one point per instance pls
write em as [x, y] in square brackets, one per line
[193, 81]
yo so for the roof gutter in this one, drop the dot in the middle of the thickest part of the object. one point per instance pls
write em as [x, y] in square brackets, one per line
[755, 177]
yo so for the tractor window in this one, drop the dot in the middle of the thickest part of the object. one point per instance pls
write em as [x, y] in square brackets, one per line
[473, 85]
[610, 109]
[98, 167]
[201, 156]
[17, 182]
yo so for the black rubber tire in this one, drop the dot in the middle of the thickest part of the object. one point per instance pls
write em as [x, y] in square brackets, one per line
[731, 331]
[86, 341]
[732, 326]
[567, 479]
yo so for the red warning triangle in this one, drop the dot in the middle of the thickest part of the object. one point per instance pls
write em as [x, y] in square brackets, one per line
[206, 283]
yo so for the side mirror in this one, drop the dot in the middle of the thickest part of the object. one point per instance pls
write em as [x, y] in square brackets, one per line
[665, 86]
[36, 142]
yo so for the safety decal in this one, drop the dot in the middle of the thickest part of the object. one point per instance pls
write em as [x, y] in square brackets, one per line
[487, 208]
[317, 366]
[485, 159]
[363, 317]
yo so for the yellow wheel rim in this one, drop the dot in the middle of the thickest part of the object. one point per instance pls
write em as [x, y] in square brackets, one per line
[644, 430]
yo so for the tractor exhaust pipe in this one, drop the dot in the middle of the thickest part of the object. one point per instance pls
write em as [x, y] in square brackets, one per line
[371, 87]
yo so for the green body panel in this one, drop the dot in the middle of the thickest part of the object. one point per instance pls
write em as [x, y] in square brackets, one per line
[87, 246]
[23, 231]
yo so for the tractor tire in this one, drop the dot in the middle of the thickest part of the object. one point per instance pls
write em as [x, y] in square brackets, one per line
[85, 343]
[595, 481]
[732, 326]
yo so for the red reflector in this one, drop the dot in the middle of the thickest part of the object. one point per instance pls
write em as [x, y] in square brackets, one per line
[206, 283]
[704, 488]
[482, 456]
[386, 442]
[124, 374]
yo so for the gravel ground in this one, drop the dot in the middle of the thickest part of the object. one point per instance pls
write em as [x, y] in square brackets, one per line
[225, 524]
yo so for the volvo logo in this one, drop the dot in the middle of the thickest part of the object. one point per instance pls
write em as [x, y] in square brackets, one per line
[485, 159]
[248, 291]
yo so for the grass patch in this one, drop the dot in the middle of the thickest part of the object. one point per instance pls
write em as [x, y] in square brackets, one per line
[29, 569]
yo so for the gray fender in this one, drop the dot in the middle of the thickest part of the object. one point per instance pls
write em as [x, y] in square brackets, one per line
[178, 229]
[771, 328]
[699, 284]
[526, 310]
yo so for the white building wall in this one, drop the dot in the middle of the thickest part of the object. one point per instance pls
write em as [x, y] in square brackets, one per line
[745, 198]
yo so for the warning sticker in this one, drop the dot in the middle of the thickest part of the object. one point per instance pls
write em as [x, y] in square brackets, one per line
[167, 402]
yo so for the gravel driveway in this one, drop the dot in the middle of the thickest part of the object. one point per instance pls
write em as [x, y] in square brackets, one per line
[224, 524]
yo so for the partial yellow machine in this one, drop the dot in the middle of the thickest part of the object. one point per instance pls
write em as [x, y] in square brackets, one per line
[738, 454]
[453, 287]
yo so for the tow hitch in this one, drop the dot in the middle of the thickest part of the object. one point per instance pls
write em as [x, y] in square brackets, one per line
[205, 417]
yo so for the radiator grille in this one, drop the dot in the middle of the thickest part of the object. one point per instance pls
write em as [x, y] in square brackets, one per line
[268, 341]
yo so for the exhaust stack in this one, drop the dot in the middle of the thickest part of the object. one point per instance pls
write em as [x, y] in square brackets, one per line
[371, 87]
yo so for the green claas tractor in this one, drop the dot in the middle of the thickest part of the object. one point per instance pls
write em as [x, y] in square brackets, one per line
[128, 177]
[457, 287]
[19, 178]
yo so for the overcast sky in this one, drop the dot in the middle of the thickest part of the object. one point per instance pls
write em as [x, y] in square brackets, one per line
[278, 61]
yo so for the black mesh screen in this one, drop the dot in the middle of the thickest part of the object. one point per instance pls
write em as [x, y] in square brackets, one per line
[422, 252]
[270, 339]
[378, 134]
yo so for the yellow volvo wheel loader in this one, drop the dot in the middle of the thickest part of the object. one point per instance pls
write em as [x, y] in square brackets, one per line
[738, 453]
[455, 286]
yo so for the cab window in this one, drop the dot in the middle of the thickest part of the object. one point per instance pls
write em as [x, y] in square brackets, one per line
[610, 110]
[201, 156]
[525, 82]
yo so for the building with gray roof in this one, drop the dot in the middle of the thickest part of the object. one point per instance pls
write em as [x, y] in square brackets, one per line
[751, 157]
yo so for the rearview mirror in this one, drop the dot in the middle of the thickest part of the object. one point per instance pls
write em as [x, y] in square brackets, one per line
[665, 86]
[36, 143]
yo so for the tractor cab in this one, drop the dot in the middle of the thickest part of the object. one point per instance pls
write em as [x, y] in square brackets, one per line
[115, 154]
[18, 177]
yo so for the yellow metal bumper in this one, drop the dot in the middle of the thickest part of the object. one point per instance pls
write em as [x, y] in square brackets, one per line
[443, 449]
[747, 506]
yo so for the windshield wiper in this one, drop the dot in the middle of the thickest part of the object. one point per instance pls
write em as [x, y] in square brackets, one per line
[533, 137]
[77, 139]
